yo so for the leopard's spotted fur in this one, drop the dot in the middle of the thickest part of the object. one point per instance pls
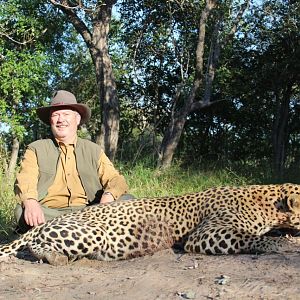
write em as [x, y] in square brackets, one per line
[222, 220]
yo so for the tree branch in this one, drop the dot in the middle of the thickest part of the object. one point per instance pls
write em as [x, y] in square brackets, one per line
[201, 104]
[210, 4]
[18, 42]
[15, 41]
[237, 21]
[214, 57]
[66, 6]
[79, 25]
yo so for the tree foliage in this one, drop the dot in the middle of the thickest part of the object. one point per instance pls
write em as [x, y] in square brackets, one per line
[248, 68]
[176, 54]
[27, 47]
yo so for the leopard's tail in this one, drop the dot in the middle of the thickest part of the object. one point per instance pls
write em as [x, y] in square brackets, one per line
[20, 243]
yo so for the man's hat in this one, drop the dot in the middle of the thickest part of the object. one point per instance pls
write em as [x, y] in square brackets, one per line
[64, 100]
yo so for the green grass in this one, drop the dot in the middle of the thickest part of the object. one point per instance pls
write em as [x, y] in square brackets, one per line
[7, 205]
[147, 182]
[143, 180]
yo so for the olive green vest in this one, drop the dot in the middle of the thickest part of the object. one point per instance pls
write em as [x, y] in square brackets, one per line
[87, 157]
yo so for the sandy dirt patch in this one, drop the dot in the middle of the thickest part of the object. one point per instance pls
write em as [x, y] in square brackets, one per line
[164, 275]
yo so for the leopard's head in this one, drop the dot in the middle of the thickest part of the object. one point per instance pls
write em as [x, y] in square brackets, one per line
[293, 204]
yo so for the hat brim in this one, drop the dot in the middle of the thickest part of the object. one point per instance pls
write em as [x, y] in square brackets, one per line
[84, 111]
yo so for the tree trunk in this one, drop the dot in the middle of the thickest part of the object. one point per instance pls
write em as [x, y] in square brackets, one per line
[172, 135]
[13, 158]
[109, 103]
[96, 42]
[280, 133]
[176, 125]
[213, 59]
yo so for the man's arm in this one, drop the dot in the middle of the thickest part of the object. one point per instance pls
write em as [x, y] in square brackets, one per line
[113, 183]
[26, 189]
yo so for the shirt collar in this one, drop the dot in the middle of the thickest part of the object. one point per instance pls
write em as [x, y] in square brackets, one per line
[73, 143]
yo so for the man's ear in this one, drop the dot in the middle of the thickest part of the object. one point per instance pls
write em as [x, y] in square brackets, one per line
[78, 118]
[293, 203]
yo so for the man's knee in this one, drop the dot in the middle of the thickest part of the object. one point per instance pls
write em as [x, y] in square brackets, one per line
[126, 197]
[22, 226]
[18, 212]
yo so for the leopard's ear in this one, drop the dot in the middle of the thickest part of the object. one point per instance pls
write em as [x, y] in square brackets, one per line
[293, 203]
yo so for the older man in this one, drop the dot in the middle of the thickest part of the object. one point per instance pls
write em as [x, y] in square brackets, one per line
[64, 173]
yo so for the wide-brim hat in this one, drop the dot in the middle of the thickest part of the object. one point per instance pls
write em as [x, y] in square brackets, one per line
[64, 100]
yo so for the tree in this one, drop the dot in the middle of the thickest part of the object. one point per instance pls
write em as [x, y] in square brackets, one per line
[199, 95]
[91, 19]
[181, 27]
[25, 71]
[269, 56]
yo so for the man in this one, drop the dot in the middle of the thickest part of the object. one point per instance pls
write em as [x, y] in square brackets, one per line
[65, 173]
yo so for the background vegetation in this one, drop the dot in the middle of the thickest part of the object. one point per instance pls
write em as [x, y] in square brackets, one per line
[201, 93]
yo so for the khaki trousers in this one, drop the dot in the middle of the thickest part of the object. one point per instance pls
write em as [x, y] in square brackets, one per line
[49, 213]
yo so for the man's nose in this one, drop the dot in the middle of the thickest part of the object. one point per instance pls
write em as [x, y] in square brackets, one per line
[60, 118]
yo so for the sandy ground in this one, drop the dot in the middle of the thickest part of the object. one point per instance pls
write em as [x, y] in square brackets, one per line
[164, 275]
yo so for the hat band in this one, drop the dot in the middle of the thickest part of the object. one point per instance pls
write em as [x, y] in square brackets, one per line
[60, 103]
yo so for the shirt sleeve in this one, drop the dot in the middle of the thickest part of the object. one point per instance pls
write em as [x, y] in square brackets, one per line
[27, 178]
[111, 180]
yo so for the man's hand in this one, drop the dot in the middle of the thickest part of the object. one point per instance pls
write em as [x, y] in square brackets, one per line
[106, 198]
[33, 213]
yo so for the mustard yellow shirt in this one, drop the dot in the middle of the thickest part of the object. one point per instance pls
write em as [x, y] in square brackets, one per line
[67, 189]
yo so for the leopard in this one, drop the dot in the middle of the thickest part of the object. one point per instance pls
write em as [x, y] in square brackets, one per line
[224, 220]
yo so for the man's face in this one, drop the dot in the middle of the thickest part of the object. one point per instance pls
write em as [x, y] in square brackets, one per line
[64, 123]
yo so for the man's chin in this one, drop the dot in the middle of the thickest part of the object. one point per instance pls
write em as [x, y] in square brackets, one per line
[60, 135]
